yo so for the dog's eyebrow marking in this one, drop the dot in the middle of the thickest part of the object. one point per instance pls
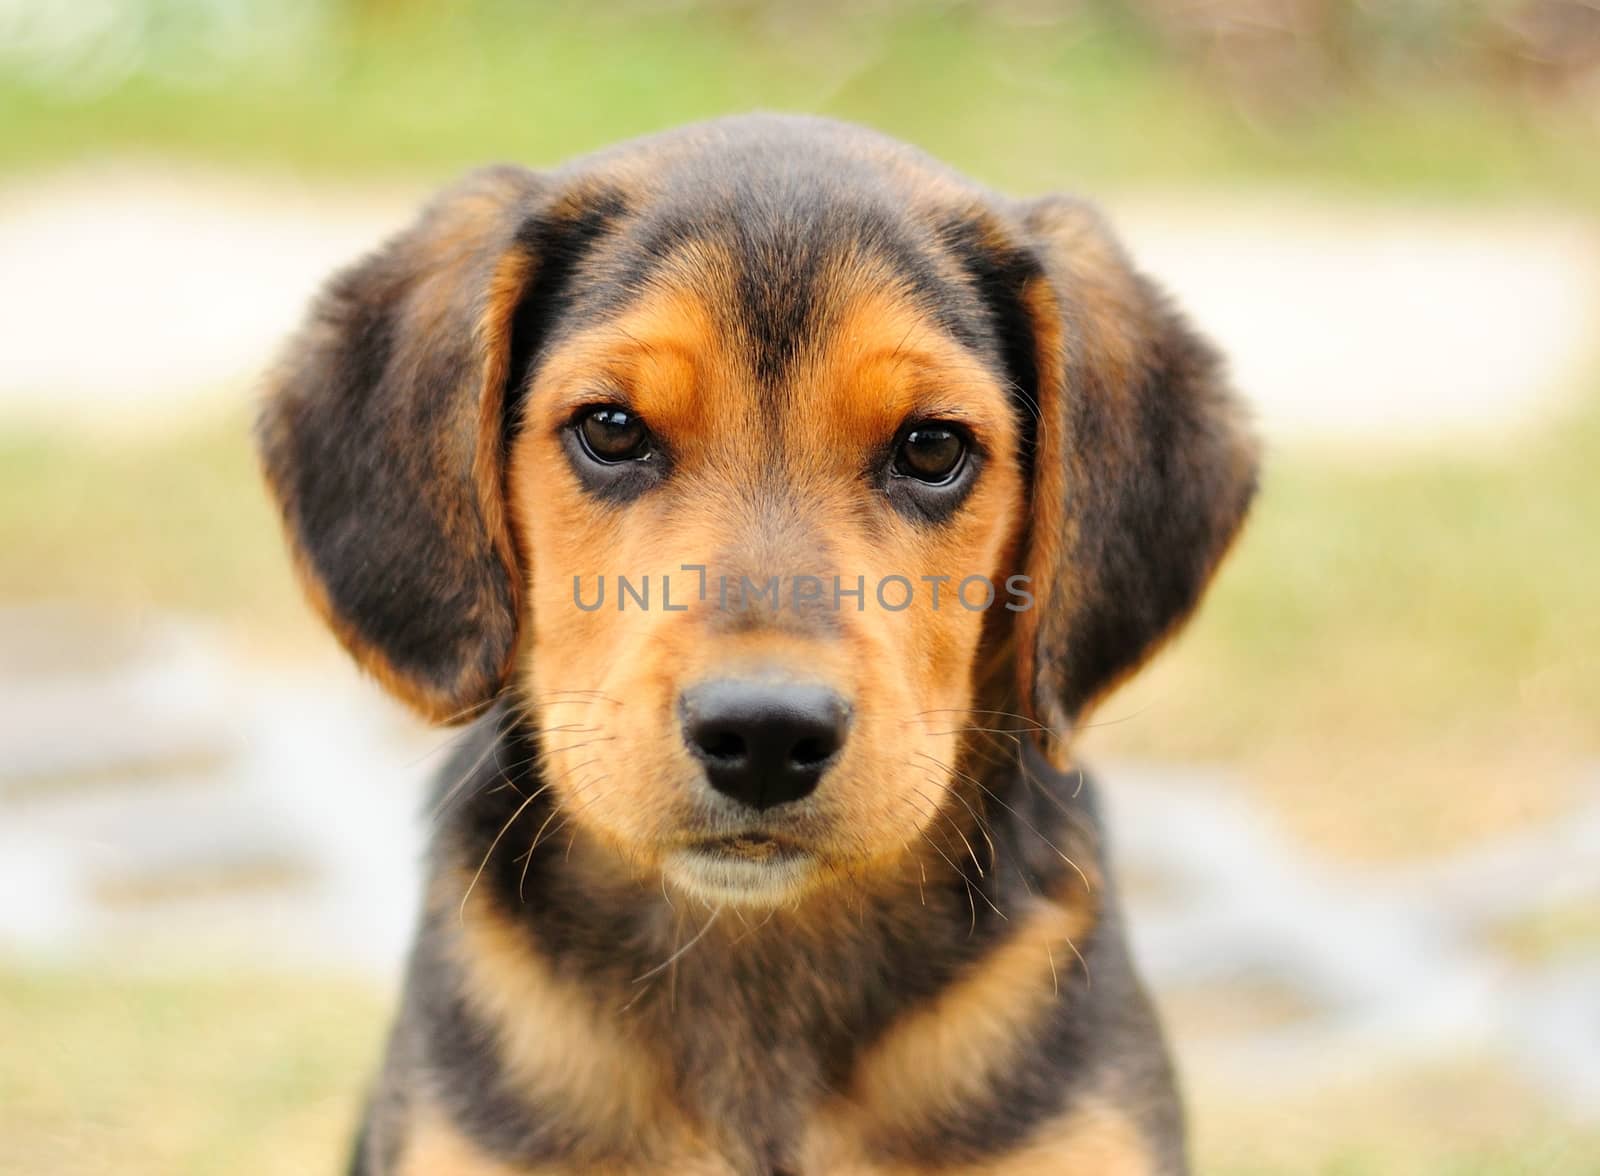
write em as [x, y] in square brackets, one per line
[776, 271]
[653, 344]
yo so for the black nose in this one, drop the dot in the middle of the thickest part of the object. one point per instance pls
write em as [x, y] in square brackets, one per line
[763, 743]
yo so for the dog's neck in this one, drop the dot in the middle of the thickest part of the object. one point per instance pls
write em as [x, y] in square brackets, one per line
[744, 1008]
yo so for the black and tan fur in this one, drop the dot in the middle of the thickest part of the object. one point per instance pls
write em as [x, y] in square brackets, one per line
[945, 987]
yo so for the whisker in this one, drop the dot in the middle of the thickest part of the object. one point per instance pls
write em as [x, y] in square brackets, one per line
[976, 864]
[468, 712]
[527, 858]
[1088, 980]
[594, 695]
[582, 743]
[490, 748]
[971, 886]
[978, 822]
[500, 780]
[749, 930]
[677, 955]
[569, 815]
[461, 913]
[546, 735]
[1028, 724]
[1056, 849]
[975, 730]
[1032, 724]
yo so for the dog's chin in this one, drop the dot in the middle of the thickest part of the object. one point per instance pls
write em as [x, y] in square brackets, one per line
[742, 872]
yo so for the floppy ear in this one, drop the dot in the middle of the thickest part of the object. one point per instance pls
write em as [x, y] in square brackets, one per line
[381, 439]
[1143, 467]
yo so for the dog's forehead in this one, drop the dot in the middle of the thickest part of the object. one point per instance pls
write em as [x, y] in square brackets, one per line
[780, 232]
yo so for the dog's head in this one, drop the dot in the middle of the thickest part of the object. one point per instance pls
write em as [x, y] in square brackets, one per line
[753, 460]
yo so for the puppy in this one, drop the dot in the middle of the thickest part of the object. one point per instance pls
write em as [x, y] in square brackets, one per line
[776, 502]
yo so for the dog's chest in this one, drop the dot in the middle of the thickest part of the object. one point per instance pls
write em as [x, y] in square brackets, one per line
[753, 1061]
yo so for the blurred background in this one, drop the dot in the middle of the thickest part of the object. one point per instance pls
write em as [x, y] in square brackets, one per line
[1357, 805]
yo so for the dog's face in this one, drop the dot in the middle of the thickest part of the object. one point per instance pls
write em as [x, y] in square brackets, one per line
[752, 460]
[777, 728]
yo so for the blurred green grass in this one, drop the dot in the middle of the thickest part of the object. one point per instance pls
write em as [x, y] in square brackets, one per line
[1403, 653]
[1459, 1117]
[166, 520]
[103, 1071]
[1027, 100]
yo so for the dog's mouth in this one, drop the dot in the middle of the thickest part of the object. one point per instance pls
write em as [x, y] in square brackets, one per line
[750, 847]
[745, 869]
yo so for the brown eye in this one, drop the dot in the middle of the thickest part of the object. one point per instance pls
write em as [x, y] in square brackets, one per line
[931, 453]
[613, 435]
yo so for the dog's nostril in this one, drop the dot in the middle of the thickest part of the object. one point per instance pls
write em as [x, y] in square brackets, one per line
[811, 752]
[763, 743]
[721, 745]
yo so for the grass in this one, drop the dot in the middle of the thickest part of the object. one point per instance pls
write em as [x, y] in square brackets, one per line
[1404, 652]
[149, 1076]
[258, 1076]
[124, 524]
[1562, 929]
[1460, 1118]
[1081, 99]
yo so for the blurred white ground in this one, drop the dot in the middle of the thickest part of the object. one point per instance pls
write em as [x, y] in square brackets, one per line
[131, 290]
